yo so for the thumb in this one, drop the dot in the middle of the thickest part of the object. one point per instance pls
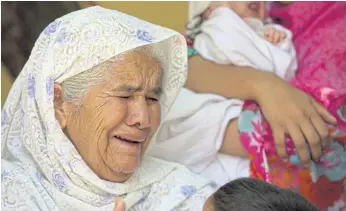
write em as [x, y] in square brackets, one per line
[119, 205]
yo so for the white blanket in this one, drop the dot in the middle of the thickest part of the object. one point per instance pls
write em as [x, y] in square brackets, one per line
[193, 131]
[226, 38]
[192, 135]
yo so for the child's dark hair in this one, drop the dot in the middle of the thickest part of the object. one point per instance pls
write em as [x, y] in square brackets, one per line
[247, 194]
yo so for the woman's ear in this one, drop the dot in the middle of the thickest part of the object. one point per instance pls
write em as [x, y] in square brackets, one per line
[59, 106]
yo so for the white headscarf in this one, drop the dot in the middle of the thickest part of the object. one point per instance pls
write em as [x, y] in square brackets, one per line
[41, 169]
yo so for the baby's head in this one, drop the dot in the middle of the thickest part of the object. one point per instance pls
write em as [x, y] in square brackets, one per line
[249, 194]
[201, 11]
[245, 9]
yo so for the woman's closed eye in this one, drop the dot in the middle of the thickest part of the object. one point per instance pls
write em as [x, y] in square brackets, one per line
[152, 99]
[125, 97]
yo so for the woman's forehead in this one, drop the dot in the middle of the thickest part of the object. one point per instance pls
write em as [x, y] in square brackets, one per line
[134, 65]
[135, 71]
[137, 62]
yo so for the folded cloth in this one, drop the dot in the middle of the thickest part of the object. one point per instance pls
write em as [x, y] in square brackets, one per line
[319, 36]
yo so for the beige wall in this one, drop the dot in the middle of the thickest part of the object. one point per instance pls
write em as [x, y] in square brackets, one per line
[165, 13]
[171, 14]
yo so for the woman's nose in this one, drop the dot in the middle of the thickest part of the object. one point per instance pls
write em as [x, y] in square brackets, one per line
[139, 113]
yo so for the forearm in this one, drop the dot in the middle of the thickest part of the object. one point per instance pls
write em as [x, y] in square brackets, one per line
[228, 81]
[231, 141]
[231, 82]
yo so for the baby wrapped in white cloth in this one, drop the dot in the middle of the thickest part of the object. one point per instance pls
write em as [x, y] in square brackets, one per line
[236, 33]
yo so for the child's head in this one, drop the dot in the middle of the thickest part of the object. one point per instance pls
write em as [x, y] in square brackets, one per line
[245, 9]
[249, 194]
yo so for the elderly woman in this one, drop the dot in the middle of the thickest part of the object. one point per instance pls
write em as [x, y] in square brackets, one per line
[81, 114]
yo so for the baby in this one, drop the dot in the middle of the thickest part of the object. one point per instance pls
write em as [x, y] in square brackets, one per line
[251, 12]
[236, 33]
[248, 194]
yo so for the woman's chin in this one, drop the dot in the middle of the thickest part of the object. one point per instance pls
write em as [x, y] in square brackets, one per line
[118, 174]
[121, 173]
[126, 170]
[122, 164]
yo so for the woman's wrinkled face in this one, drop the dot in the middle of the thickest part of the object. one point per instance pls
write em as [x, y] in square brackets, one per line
[113, 127]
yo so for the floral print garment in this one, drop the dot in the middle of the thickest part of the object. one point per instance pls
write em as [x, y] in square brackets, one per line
[319, 36]
[323, 180]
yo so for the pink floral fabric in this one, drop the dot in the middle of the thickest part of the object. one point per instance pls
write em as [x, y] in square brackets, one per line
[319, 35]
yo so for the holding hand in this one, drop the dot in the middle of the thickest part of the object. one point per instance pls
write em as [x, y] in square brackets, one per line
[292, 112]
[119, 205]
[273, 35]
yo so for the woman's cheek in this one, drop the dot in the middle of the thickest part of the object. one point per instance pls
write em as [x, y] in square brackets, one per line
[115, 112]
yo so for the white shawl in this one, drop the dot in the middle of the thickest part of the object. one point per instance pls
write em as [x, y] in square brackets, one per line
[41, 169]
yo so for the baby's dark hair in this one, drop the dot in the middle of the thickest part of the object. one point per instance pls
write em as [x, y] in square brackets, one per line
[248, 194]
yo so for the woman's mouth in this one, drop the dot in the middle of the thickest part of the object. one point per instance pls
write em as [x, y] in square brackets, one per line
[127, 140]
